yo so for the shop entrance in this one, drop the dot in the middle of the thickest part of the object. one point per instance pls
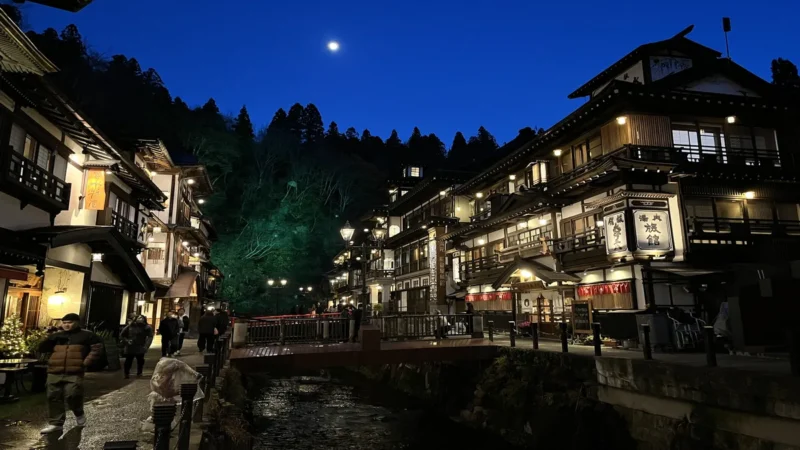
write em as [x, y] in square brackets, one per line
[24, 300]
[105, 308]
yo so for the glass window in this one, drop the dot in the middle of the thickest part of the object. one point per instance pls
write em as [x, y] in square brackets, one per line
[787, 211]
[29, 151]
[699, 207]
[729, 209]
[43, 157]
[759, 210]
[17, 140]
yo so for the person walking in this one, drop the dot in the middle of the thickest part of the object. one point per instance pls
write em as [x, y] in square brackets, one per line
[73, 349]
[222, 321]
[183, 318]
[207, 328]
[137, 338]
[169, 329]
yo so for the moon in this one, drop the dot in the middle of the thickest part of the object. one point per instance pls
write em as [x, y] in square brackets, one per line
[333, 46]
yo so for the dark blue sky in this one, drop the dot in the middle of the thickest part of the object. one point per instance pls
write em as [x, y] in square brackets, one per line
[442, 65]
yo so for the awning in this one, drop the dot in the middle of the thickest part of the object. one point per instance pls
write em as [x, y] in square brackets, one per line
[182, 287]
[101, 239]
[541, 271]
[16, 249]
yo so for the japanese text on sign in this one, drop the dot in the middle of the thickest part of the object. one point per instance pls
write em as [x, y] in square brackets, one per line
[652, 230]
[616, 236]
[604, 289]
[489, 296]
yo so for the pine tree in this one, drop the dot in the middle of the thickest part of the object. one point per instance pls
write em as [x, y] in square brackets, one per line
[12, 338]
[243, 127]
[313, 130]
[784, 73]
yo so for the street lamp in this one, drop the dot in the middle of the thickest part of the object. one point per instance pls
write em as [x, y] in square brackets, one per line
[308, 289]
[347, 231]
[270, 282]
[283, 281]
[301, 288]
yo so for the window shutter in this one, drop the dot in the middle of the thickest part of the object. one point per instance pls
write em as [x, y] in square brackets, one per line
[43, 157]
[17, 141]
[60, 167]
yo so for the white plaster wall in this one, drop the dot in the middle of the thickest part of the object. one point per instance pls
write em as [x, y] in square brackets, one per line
[571, 210]
[637, 273]
[462, 208]
[78, 254]
[76, 215]
[55, 278]
[678, 232]
[41, 120]
[719, 84]
[6, 101]
[74, 146]
[12, 218]
[496, 236]
[103, 274]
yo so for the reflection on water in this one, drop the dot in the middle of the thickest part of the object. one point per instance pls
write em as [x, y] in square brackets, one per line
[309, 412]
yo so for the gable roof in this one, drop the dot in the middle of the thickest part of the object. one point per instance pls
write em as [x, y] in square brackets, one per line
[17, 52]
[678, 42]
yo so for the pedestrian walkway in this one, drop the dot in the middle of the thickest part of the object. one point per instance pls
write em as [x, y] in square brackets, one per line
[115, 408]
[775, 366]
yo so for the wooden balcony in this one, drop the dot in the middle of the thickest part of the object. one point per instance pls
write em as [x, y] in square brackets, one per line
[127, 227]
[31, 184]
[715, 239]
[581, 250]
[470, 268]
[413, 266]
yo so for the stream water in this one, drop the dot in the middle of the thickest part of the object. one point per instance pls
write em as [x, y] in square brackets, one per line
[335, 413]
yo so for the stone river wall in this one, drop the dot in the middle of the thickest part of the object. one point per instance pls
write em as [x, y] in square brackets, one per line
[567, 401]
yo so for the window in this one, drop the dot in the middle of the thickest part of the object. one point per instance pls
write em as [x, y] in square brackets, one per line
[787, 211]
[579, 225]
[699, 208]
[425, 282]
[759, 210]
[729, 209]
[32, 150]
[415, 283]
[155, 254]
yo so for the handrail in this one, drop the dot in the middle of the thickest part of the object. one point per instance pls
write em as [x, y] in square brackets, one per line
[699, 225]
[583, 241]
[124, 225]
[478, 264]
[25, 172]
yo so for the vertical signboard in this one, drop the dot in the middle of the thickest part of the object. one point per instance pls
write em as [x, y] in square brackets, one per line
[616, 233]
[436, 268]
[95, 197]
[653, 230]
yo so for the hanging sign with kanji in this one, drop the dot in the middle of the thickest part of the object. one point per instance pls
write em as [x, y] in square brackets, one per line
[616, 236]
[652, 229]
[95, 191]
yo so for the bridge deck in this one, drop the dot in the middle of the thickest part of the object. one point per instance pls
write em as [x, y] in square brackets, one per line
[320, 356]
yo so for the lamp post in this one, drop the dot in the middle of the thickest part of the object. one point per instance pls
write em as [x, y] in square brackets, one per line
[272, 284]
[378, 233]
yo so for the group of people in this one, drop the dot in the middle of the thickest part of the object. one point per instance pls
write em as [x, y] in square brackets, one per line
[73, 349]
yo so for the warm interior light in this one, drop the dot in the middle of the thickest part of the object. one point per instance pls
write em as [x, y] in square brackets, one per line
[156, 229]
[557, 152]
[730, 119]
[190, 181]
[542, 221]
[599, 223]
[479, 195]
[522, 225]
[140, 303]
[622, 120]
[512, 177]
[526, 273]
[749, 195]
[458, 208]
[58, 298]
[481, 241]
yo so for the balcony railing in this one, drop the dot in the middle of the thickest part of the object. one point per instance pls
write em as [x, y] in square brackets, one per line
[380, 273]
[124, 225]
[529, 243]
[411, 267]
[706, 155]
[479, 264]
[742, 227]
[588, 240]
[483, 215]
[24, 175]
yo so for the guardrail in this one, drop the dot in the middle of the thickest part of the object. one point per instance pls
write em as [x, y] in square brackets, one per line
[332, 328]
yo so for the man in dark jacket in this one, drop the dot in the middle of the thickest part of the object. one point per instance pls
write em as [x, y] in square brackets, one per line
[222, 321]
[184, 321]
[169, 330]
[72, 351]
[206, 328]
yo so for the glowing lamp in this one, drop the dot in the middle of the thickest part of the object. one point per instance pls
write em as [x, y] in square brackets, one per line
[283, 282]
[442, 193]
[730, 119]
[270, 282]
[526, 273]
[622, 120]
[512, 177]
[599, 223]
[347, 231]
[309, 289]
[481, 241]
[749, 195]
[190, 181]
[542, 221]
[58, 298]
[479, 195]
[557, 152]
[97, 257]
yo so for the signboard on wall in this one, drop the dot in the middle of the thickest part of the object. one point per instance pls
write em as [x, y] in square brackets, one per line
[589, 290]
[616, 233]
[489, 296]
[653, 230]
[95, 197]
[582, 317]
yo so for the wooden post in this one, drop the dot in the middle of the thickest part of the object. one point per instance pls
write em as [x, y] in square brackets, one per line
[646, 347]
[203, 370]
[163, 414]
[210, 361]
[512, 332]
[564, 343]
[794, 351]
[535, 335]
[597, 344]
[491, 330]
[187, 402]
[711, 351]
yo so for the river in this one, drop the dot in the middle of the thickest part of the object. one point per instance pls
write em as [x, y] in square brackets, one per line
[344, 412]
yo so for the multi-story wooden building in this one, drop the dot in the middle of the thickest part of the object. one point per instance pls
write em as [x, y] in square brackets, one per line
[179, 237]
[674, 185]
[73, 203]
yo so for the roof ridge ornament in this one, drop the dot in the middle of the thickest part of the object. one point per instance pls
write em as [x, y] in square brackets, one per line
[684, 32]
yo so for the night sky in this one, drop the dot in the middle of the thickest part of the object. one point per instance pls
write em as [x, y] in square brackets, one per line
[442, 65]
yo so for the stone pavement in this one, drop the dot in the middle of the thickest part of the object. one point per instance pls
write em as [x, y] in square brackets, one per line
[775, 366]
[115, 408]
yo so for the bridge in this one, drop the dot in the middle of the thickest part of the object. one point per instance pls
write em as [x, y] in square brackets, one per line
[319, 342]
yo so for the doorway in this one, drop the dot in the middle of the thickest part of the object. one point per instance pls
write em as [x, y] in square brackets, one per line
[105, 308]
